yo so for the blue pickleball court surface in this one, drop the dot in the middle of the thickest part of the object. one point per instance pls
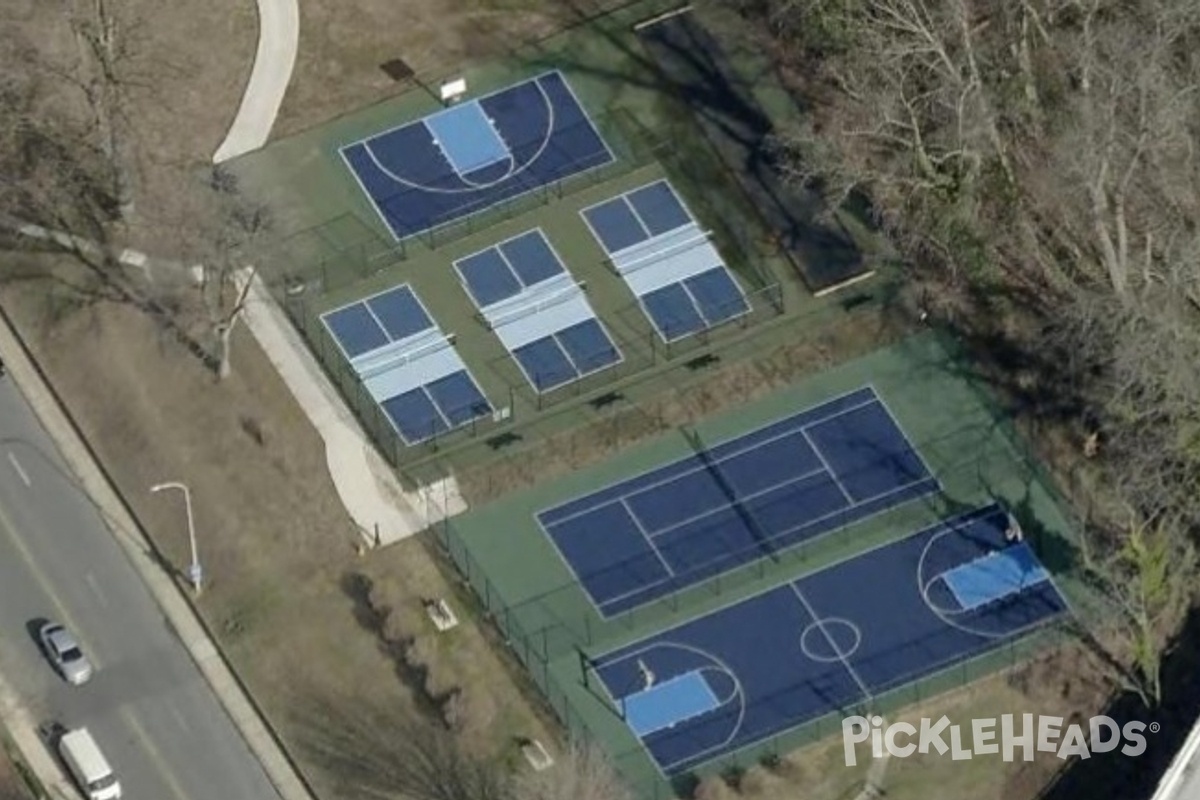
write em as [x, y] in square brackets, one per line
[407, 365]
[467, 158]
[821, 644]
[668, 262]
[736, 502]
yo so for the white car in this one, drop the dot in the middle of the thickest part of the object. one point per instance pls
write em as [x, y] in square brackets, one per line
[65, 654]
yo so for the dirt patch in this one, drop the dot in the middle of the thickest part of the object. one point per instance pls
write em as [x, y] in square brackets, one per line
[343, 44]
[274, 539]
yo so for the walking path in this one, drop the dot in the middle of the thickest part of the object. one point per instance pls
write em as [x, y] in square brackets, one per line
[368, 488]
[278, 37]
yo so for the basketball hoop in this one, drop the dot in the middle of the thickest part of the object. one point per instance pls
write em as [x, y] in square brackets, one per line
[647, 675]
[1013, 533]
[453, 91]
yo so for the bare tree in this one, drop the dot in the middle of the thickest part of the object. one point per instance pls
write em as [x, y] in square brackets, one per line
[1043, 150]
[67, 160]
[379, 753]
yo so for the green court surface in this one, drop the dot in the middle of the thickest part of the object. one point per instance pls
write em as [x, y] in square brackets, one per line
[550, 622]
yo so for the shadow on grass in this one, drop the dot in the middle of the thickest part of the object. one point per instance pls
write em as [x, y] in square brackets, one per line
[373, 619]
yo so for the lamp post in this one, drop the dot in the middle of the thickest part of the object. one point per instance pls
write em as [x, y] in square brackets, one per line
[195, 573]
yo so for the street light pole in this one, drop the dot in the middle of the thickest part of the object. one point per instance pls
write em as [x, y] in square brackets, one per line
[195, 573]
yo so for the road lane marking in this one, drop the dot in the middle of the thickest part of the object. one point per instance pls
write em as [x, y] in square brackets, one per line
[39, 577]
[180, 718]
[95, 584]
[12, 459]
[160, 763]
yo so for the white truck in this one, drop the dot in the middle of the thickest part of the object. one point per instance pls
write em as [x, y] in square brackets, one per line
[88, 766]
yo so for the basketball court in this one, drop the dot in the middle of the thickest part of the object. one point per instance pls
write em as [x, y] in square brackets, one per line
[828, 642]
[475, 154]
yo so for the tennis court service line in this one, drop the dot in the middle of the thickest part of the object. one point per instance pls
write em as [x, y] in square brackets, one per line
[649, 541]
[832, 475]
[650, 585]
[700, 467]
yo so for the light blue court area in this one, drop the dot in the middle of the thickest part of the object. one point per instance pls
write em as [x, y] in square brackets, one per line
[667, 260]
[541, 315]
[407, 364]
[995, 576]
[666, 704]
[467, 138]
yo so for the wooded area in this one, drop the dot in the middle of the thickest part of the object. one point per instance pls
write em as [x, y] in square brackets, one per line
[1035, 165]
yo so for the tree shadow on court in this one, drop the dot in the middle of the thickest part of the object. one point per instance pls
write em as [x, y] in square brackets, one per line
[680, 61]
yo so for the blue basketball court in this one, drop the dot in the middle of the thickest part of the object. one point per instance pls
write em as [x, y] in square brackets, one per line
[542, 316]
[736, 502]
[472, 156]
[823, 643]
[407, 364]
[667, 261]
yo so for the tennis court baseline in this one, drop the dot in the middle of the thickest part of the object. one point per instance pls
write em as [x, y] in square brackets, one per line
[739, 501]
[820, 643]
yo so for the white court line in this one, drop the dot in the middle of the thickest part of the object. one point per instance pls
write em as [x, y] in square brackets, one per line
[911, 445]
[832, 644]
[16, 465]
[791, 430]
[469, 187]
[642, 530]
[781, 535]
[832, 475]
[655, 642]
[739, 500]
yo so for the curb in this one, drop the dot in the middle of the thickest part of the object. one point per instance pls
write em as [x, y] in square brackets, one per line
[23, 732]
[32, 384]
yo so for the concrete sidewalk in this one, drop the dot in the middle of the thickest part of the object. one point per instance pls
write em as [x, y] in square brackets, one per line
[165, 591]
[367, 486]
[278, 40]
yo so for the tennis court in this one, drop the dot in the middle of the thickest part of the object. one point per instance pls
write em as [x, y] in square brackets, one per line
[667, 260]
[540, 314]
[469, 157]
[821, 644]
[741, 500]
[407, 364]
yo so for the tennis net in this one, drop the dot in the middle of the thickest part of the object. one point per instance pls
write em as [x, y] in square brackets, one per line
[646, 259]
[507, 316]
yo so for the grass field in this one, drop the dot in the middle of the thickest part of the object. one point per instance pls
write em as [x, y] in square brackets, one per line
[548, 618]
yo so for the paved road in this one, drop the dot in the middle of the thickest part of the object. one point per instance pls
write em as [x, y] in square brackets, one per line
[157, 721]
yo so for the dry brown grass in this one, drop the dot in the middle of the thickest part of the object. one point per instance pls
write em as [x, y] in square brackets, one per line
[1060, 683]
[344, 42]
[276, 544]
[683, 401]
